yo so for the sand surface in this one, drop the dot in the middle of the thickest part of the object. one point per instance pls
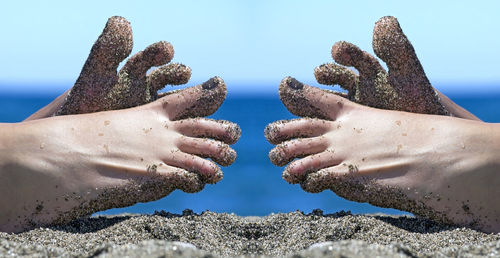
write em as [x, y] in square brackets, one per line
[213, 234]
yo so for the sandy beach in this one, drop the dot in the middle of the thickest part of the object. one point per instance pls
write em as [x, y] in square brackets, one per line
[211, 234]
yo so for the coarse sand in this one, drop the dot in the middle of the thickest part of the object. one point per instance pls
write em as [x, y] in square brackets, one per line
[211, 234]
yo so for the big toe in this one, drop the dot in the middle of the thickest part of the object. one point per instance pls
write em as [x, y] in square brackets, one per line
[98, 75]
[113, 45]
[198, 101]
[308, 101]
[391, 44]
[406, 74]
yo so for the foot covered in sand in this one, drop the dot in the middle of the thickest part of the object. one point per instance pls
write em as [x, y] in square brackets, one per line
[114, 159]
[442, 168]
[100, 87]
[388, 158]
[75, 165]
[405, 87]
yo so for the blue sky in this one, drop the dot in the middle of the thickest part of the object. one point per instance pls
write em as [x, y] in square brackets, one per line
[251, 44]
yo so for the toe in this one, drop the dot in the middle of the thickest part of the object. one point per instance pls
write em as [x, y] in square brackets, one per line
[98, 74]
[406, 74]
[348, 54]
[283, 130]
[208, 171]
[221, 130]
[132, 89]
[207, 148]
[332, 74]
[391, 44]
[373, 88]
[298, 170]
[113, 45]
[350, 185]
[171, 74]
[307, 101]
[297, 148]
[198, 101]
[155, 54]
[179, 179]
[327, 178]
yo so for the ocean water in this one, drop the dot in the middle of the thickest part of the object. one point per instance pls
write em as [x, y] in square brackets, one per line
[252, 185]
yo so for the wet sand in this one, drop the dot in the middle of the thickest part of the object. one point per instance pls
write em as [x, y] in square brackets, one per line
[213, 234]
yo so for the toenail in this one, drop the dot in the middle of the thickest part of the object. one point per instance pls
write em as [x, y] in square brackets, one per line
[210, 84]
[294, 84]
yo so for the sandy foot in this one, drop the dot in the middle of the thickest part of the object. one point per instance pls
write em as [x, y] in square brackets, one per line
[99, 87]
[104, 163]
[387, 158]
[405, 87]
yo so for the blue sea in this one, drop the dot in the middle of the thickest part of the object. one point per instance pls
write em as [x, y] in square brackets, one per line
[252, 185]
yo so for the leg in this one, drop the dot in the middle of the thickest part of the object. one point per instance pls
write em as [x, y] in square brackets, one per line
[50, 109]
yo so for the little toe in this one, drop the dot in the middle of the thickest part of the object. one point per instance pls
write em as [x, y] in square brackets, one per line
[307, 101]
[297, 148]
[170, 74]
[152, 183]
[283, 130]
[178, 178]
[207, 148]
[348, 182]
[198, 101]
[298, 170]
[332, 74]
[208, 171]
[327, 178]
[221, 130]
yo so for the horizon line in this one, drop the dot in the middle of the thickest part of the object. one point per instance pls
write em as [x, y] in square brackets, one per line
[248, 87]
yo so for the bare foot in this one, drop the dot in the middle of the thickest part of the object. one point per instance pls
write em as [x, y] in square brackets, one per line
[99, 87]
[404, 88]
[115, 159]
[439, 167]
[60, 168]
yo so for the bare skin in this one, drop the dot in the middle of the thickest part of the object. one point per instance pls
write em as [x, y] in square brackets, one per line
[418, 163]
[59, 168]
[55, 169]
[440, 167]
